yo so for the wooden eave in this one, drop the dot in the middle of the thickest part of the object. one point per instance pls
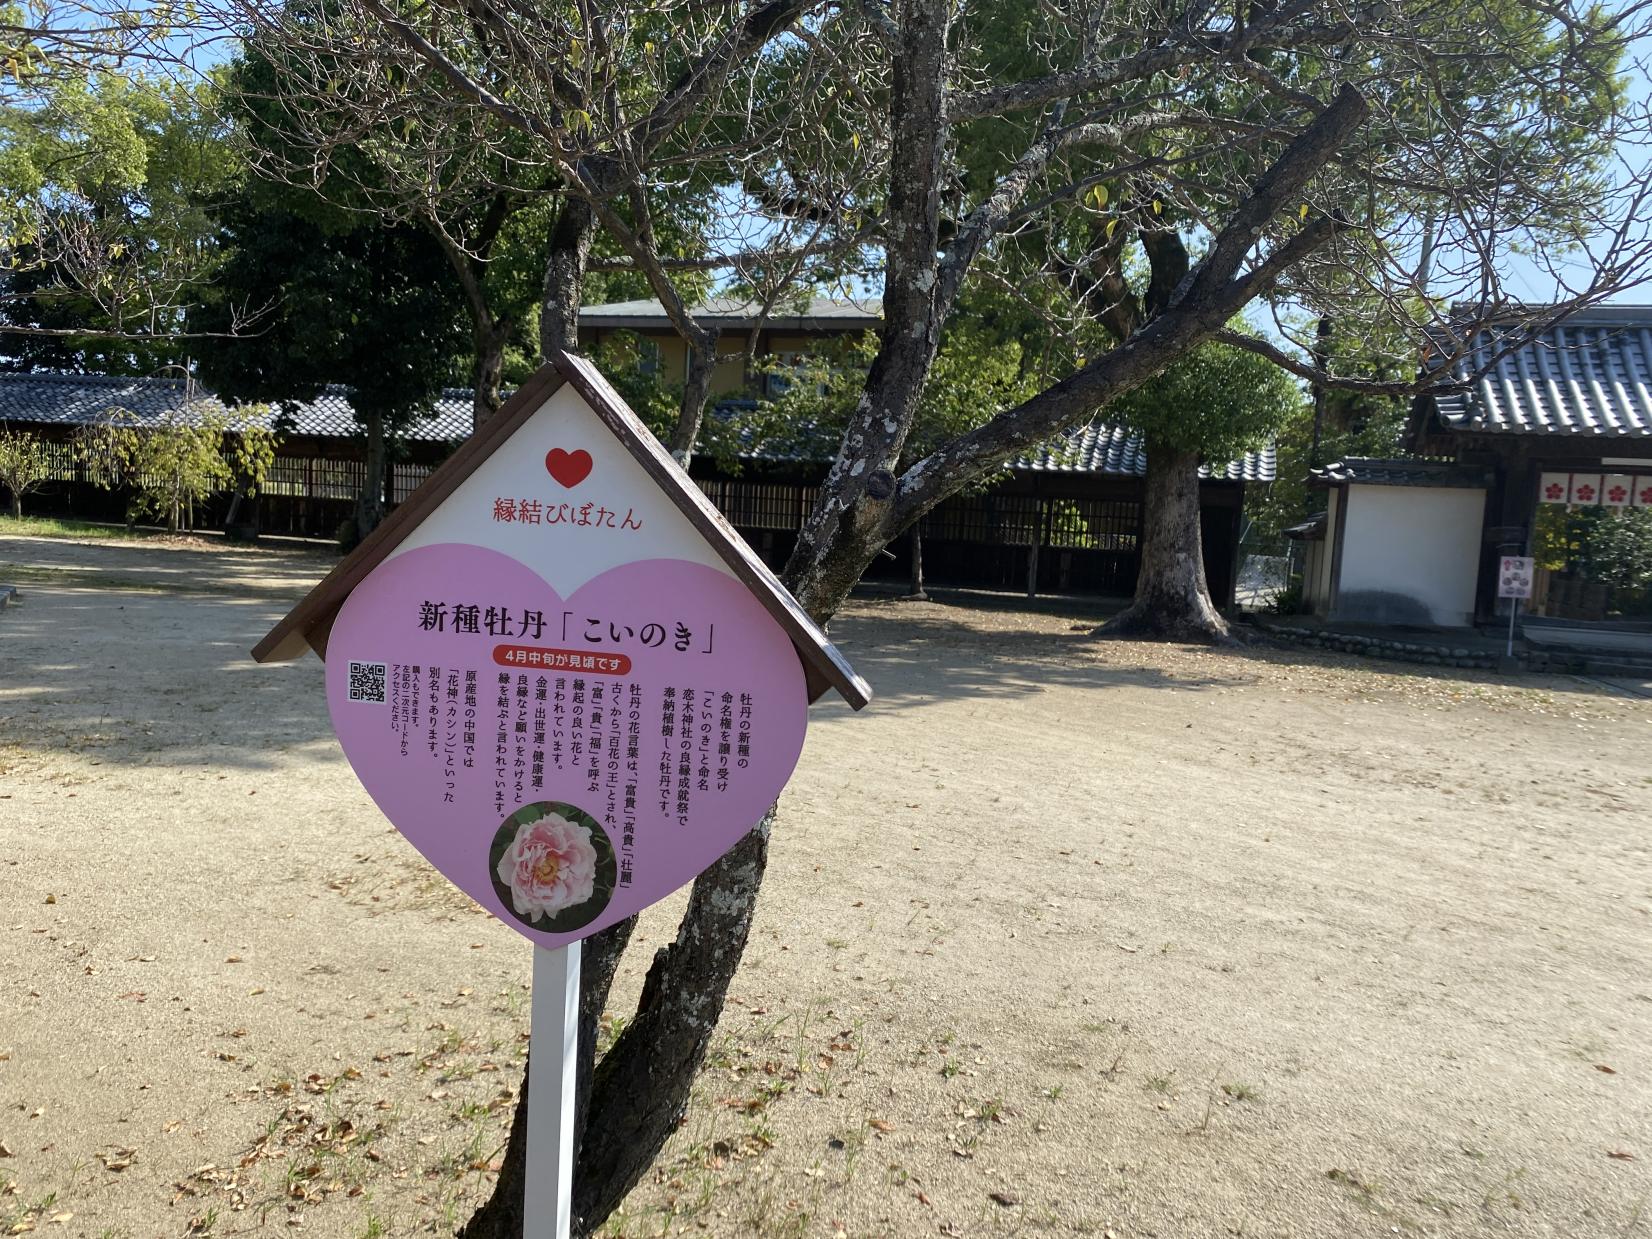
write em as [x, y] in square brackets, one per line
[308, 624]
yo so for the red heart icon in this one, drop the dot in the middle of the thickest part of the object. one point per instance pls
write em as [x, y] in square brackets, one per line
[568, 468]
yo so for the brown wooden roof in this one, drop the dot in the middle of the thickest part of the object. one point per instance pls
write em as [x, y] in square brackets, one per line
[308, 624]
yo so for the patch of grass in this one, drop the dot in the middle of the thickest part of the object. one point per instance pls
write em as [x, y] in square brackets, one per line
[1241, 1091]
[54, 527]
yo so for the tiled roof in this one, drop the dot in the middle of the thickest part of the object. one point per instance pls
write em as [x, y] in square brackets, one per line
[1379, 471]
[79, 399]
[1099, 448]
[1589, 376]
[736, 313]
[1310, 530]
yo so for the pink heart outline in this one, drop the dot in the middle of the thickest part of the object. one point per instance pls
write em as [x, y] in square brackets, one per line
[750, 655]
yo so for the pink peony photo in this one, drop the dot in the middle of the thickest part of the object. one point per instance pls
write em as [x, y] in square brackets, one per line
[550, 866]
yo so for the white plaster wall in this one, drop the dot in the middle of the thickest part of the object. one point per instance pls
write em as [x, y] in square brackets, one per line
[1410, 554]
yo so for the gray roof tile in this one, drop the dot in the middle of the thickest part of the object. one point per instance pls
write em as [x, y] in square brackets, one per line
[737, 313]
[1381, 471]
[1589, 376]
[79, 399]
[1100, 448]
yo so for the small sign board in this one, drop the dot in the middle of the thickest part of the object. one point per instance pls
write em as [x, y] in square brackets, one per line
[559, 671]
[569, 683]
[1514, 576]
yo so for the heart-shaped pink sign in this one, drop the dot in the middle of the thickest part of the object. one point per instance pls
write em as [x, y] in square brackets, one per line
[564, 762]
[568, 468]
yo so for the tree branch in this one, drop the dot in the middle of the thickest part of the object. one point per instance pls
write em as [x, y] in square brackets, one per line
[1323, 378]
[1200, 307]
[1194, 47]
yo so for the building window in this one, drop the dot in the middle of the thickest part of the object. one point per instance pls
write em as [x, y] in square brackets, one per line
[783, 373]
[648, 358]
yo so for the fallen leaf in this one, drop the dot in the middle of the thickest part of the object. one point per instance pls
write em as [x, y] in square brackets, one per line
[234, 959]
[1004, 1198]
[5, 1150]
[61, 1218]
[118, 1159]
[51, 898]
[1605, 1070]
[881, 1125]
[1621, 1156]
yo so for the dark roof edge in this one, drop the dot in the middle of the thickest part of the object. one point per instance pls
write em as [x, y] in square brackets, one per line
[732, 322]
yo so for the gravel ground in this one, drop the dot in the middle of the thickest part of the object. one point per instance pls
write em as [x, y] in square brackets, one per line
[1060, 938]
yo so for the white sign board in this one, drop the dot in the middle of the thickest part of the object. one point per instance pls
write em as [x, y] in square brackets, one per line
[1514, 577]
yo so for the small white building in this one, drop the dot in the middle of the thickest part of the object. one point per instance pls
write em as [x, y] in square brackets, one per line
[1399, 543]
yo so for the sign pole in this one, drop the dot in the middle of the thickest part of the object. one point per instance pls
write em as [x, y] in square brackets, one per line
[1514, 605]
[553, 1068]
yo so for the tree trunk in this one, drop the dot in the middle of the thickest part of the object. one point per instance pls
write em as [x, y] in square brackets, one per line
[702, 363]
[640, 1089]
[565, 276]
[917, 594]
[370, 499]
[16, 504]
[1172, 601]
[502, 1216]
[487, 369]
[628, 1106]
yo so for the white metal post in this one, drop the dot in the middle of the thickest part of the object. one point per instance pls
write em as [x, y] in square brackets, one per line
[1514, 605]
[553, 1067]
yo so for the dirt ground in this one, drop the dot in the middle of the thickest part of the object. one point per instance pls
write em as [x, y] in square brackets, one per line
[1060, 938]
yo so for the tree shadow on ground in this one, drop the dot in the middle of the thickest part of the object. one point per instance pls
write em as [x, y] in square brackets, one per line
[141, 678]
[916, 655]
[1284, 654]
[133, 676]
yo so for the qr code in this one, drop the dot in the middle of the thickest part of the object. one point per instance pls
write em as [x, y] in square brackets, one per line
[367, 682]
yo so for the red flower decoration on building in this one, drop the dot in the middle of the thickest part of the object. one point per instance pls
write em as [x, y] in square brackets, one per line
[1646, 495]
[1585, 493]
[1617, 494]
[1554, 491]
